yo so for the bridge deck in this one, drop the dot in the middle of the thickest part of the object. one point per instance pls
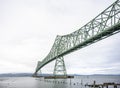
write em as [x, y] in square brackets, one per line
[102, 26]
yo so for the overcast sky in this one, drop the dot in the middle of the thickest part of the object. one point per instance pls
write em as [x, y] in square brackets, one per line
[28, 29]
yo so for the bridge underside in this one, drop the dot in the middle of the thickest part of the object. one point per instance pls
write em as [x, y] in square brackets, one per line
[102, 26]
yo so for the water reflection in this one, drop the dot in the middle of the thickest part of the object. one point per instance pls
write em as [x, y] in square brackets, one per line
[59, 83]
[77, 82]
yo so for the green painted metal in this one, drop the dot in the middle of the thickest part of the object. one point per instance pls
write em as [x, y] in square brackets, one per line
[60, 69]
[40, 72]
[105, 24]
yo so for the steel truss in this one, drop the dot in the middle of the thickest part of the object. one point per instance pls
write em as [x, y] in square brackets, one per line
[60, 69]
[105, 24]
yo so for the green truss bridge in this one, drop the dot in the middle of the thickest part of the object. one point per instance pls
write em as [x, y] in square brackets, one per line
[102, 26]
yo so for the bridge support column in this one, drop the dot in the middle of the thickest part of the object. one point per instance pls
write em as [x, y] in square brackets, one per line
[38, 74]
[60, 69]
[34, 75]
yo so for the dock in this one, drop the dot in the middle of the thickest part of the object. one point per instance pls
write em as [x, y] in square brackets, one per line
[104, 85]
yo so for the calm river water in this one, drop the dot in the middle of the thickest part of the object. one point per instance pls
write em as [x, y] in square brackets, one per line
[77, 82]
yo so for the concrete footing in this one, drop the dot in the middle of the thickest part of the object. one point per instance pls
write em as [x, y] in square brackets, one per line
[58, 77]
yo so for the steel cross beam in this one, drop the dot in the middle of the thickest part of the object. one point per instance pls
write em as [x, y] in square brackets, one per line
[105, 24]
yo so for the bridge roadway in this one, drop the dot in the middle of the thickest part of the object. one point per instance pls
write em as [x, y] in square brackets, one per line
[102, 26]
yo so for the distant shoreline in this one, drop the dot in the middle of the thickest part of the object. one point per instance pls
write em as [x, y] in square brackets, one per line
[30, 75]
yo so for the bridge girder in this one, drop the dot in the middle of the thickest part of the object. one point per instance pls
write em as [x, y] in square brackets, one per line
[105, 24]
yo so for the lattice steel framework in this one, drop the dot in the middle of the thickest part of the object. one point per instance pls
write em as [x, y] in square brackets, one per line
[60, 69]
[105, 24]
